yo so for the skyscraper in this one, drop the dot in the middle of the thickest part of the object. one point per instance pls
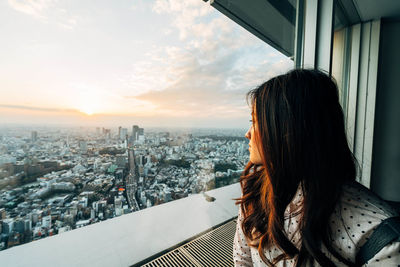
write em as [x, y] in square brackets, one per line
[123, 133]
[83, 146]
[135, 132]
[140, 136]
[141, 131]
[2, 213]
[34, 136]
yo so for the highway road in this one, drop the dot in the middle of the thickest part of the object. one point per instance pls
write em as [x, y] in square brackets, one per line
[131, 181]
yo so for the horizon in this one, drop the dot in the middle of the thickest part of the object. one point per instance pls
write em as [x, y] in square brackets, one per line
[35, 127]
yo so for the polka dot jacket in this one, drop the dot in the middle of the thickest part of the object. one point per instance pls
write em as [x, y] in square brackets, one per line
[355, 217]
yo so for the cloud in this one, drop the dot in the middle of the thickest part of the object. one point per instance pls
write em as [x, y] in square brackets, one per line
[69, 23]
[186, 13]
[31, 7]
[47, 11]
[204, 75]
[214, 89]
[209, 74]
[193, 7]
[190, 87]
[30, 108]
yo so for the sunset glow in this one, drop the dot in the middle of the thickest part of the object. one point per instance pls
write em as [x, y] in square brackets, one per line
[87, 111]
[154, 62]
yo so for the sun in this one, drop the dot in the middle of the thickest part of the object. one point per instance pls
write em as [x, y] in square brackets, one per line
[88, 107]
[89, 103]
[87, 111]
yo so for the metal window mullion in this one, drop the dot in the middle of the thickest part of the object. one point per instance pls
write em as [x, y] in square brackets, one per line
[346, 71]
[324, 40]
[366, 96]
[318, 34]
[371, 100]
[299, 34]
[310, 33]
[361, 96]
[353, 84]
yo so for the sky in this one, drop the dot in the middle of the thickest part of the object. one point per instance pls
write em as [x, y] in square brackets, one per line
[161, 63]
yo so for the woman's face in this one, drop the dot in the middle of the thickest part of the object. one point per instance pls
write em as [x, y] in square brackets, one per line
[255, 156]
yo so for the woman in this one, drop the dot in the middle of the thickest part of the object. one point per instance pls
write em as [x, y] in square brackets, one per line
[300, 202]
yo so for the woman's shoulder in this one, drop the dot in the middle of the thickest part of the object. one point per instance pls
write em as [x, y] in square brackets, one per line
[361, 201]
[361, 210]
[357, 214]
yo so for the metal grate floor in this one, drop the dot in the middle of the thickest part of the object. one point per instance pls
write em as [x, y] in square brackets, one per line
[213, 248]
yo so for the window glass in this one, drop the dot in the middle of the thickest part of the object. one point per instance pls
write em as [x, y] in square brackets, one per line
[340, 53]
[272, 21]
[111, 107]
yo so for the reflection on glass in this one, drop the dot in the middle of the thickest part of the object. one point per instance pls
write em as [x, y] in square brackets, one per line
[340, 53]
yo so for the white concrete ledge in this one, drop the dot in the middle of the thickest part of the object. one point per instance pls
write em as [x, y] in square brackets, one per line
[130, 238]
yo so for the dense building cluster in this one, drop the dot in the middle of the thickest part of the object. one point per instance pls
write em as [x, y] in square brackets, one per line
[53, 180]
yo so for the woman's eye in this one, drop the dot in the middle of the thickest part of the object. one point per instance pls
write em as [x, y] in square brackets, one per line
[251, 121]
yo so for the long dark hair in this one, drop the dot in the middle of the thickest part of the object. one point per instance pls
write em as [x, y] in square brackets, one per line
[303, 143]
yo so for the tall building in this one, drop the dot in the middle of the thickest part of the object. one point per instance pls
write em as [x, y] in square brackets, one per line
[140, 136]
[46, 221]
[2, 213]
[107, 133]
[135, 132]
[34, 136]
[141, 131]
[118, 202]
[7, 226]
[83, 146]
[123, 132]
[120, 161]
[19, 226]
[28, 225]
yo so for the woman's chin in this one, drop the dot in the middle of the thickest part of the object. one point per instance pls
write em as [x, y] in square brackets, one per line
[255, 161]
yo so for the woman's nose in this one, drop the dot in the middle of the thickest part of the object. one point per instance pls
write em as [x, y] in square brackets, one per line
[248, 134]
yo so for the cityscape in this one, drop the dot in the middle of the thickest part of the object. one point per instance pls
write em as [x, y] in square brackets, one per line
[54, 180]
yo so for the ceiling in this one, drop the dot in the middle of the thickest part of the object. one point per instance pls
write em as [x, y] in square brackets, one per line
[375, 9]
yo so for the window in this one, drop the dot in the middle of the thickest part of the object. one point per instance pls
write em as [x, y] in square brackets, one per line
[108, 108]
